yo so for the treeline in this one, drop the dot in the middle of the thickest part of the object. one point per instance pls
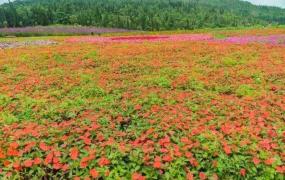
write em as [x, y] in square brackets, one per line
[139, 14]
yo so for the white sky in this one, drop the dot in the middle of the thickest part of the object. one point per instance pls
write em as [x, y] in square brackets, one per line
[280, 3]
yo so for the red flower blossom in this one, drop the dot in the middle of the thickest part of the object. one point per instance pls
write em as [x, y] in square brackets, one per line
[94, 173]
[138, 107]
[37, 161]
[227, 150]
[269, 161]
[2, 155]
[57, 153]
[194, 162]
[55, 160]
[14, 145]
[137, 176]
[280, 169]
[17, 166]
[65, 167]
[243, 172]
[84, 162]
[57, 166]
[49, 158]
[74, 153]
[167, 158]
[6, 163]
[202, 176]
[256, 161]
[13, 152]
[274, 88]
[103, 162]
[87, 141]
[43, 146]
[157, 164]
[28, 163]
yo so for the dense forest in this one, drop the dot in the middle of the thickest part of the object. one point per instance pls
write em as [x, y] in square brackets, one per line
[139, 14]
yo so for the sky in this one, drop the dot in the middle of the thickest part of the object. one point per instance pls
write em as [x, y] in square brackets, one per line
[280, 3]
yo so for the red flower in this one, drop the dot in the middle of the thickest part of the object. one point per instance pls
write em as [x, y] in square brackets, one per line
[65, 167]
[194, 162]
[87, 141]
[202, 176]
[43, 146]
[2, 155]
[138, 107]
[49, 158]
[165, 141]
[28, 163]
[84, 162]
[94, 173]
[6, 163]
[215, 177]
[167, 158]
[227, 150]
[14, 145]
[243, 172]
[256, 161]
[137, 176]
[269, 161]
[29, 146]
[188, 154]
[274, 88]
[13, 152]
[57, 153]
[37, 161]
[157, 164]
[55, 160]
[265, 144]
[190, 176]
[280, 169]
[17, 166]
[57, 166]
[74, 153]
[103, 162]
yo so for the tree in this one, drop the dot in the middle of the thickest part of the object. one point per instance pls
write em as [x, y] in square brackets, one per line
[139, 14]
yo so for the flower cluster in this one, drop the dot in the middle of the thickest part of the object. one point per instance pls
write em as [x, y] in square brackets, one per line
[180, 110]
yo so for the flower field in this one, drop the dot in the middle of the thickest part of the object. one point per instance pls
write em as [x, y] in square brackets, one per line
[168, 107]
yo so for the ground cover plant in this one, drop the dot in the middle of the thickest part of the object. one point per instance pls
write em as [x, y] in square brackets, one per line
[147, 109]
[57, 31]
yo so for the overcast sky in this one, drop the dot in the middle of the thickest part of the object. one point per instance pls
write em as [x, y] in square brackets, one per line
[280, 3]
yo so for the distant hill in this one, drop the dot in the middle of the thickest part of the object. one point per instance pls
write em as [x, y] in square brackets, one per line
[139, 14]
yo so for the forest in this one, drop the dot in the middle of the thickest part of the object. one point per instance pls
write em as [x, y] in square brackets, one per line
[139, 14]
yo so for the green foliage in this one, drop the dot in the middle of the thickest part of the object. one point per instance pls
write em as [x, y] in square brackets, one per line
[162, 82]
[139, 14]
[93, 55]
[245, 90]
[7, 118]
[230, 62]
